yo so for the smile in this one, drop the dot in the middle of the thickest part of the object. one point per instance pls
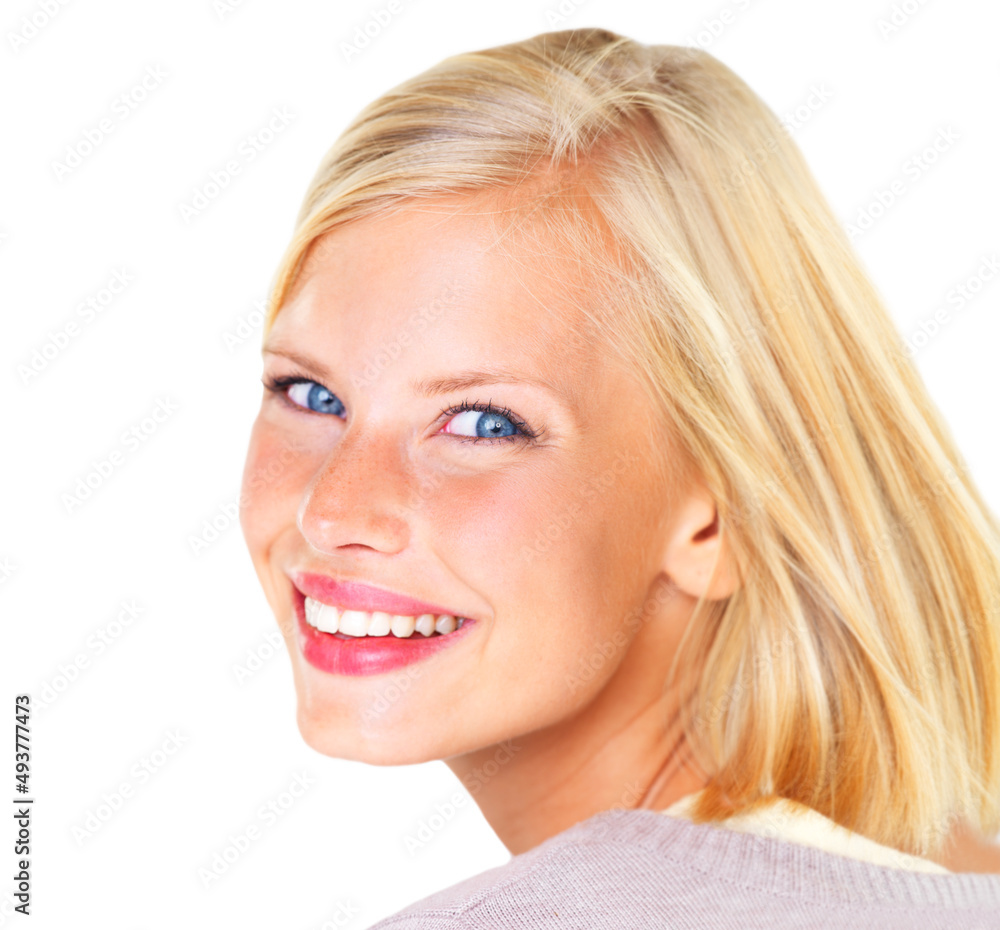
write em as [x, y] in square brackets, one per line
[332, 619]
[349, 642]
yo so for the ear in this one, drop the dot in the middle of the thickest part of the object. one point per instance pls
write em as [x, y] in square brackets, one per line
[695, 547]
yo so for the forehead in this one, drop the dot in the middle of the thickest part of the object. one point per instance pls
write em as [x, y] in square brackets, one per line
[446, 282]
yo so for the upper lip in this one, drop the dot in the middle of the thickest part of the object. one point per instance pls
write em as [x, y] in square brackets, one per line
[353, 595]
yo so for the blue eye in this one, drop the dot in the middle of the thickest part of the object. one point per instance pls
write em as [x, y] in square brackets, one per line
[488, 423]
[476, 422]
[484, 424]
[307, 394]
[315, 397]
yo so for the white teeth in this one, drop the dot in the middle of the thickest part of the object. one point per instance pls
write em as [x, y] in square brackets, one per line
[325, 617]
[331, 619]
[403, 626]
[354, 623]
[379, 624]
[425, 624]
[445, 623]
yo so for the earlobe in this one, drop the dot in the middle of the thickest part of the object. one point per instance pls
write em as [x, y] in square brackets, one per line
[695, 546]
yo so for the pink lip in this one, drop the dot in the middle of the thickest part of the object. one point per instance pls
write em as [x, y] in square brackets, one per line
[338, 654]
[356, 596]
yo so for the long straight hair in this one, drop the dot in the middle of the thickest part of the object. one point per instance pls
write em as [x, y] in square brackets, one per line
[857, 668]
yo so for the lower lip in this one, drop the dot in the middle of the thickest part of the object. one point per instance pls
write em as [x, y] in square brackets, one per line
[366, 655]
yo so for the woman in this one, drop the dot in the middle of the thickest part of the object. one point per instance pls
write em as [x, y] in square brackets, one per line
[601, 474]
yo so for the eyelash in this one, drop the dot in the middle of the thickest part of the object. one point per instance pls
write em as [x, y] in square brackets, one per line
[280, 386]
[523, 429]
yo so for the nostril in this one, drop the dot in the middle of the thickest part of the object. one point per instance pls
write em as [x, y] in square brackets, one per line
[330, 526]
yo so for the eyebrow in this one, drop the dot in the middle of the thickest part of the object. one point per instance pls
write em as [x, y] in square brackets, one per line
[430, 387]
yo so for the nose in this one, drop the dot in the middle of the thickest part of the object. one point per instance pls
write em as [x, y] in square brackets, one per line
[358, 497]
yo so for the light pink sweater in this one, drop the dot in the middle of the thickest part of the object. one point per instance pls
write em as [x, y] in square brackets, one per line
[640, 869]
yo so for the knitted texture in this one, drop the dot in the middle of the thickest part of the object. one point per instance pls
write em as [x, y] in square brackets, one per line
[640, 870]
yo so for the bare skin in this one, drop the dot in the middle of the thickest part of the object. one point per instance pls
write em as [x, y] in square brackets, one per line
[580, 570]
[555, 701]
[968, 850]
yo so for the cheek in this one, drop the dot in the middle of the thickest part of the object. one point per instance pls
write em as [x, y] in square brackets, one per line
[542, 551]
[274, 477]
[488, 516]
[509, 531]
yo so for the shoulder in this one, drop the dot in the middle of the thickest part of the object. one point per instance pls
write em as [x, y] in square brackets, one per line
[640, 868]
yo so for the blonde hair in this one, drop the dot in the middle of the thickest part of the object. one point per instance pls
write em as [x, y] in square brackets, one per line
[857, 668]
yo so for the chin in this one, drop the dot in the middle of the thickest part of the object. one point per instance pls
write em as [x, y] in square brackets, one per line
[382, 743]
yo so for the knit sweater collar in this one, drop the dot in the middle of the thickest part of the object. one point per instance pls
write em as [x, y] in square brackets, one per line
[795, 823]
[779, 867]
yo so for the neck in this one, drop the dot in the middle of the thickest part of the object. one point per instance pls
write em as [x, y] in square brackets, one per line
[532, 787]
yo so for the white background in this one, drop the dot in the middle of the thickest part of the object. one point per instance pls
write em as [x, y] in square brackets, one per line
[340, 847]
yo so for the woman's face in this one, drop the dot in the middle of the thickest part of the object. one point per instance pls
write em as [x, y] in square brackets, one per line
[541, 522]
